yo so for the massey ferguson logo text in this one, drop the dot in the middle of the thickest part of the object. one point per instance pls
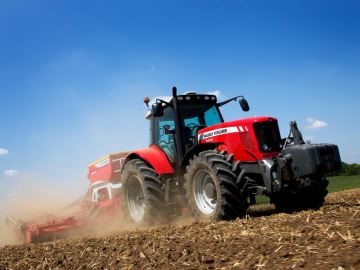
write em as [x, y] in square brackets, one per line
[218, 132]
[215, 133]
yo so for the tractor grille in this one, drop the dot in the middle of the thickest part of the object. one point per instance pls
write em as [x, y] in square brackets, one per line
[268, 136]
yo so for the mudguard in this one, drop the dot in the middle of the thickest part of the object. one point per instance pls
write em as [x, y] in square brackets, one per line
[155, 157]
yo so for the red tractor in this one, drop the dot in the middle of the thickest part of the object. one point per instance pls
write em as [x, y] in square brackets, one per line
[199, 162]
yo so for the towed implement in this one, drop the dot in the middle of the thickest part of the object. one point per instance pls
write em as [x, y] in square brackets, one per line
[99, 205]
[198, 164]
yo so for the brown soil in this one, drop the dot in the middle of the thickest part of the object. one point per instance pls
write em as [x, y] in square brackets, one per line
[324, 239]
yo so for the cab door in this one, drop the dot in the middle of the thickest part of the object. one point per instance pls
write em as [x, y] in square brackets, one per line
[163, 134]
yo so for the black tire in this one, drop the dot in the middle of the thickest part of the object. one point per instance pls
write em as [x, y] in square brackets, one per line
[211, 189]
[139, 178]
[297, 199]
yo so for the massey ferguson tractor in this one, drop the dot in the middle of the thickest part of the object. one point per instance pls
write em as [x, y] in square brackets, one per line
[199, 164]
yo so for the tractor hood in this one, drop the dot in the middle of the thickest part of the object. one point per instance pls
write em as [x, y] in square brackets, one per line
[250, 139]
[236, 126]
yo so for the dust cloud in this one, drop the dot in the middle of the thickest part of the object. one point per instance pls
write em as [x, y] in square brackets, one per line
[32, 202]
[9, 236]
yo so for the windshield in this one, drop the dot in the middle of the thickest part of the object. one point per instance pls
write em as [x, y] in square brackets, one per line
[200, 115]
[196, 117]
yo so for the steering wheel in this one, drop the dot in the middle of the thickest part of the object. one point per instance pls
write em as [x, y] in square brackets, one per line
[192, 126]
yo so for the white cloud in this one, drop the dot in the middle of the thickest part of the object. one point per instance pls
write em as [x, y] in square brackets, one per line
[11, 172]
[217, 93]
[315, 123]
[3, 152]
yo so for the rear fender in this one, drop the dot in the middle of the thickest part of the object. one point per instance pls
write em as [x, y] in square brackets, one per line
[155, 157]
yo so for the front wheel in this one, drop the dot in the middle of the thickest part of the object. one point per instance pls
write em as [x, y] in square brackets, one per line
[211, 188]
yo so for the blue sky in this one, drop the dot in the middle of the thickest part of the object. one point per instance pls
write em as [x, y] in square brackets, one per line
[73, 75]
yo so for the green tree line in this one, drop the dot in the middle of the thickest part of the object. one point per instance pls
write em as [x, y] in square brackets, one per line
[347, 170]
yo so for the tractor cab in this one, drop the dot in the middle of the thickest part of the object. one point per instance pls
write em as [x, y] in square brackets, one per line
[174, 125]
[175, 121]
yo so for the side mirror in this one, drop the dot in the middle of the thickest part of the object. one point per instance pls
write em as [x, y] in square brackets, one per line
[157, 110]
[244, 105]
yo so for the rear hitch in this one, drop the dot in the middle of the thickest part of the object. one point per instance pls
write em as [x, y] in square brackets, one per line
[294, 136]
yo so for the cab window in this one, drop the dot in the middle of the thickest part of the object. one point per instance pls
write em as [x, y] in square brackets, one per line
[162, 137]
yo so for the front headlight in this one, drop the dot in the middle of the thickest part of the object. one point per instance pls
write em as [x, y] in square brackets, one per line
[266, 148]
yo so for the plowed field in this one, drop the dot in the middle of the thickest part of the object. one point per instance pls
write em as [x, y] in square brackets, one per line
[324, 239]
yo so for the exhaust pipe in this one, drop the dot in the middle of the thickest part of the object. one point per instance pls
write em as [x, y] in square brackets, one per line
[178, 127]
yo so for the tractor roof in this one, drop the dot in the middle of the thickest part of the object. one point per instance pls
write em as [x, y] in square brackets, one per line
[168, 99]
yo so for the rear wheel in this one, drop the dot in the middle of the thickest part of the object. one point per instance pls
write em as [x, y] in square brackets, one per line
[142, 193]
[309, 197]
[211, 188]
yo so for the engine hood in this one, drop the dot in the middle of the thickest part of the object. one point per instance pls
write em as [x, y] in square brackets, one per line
[232, 126]
[239, 137]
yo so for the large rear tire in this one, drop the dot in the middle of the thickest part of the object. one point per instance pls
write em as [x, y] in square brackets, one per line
[211, 189]
[142, 193]
[296, 199]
